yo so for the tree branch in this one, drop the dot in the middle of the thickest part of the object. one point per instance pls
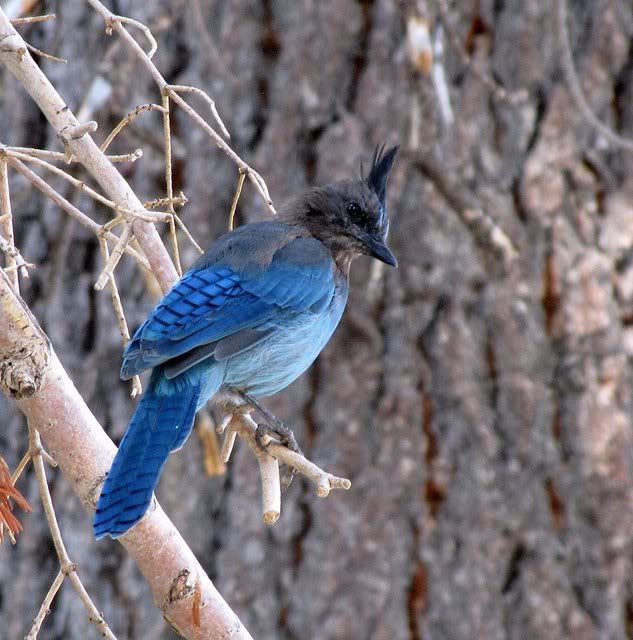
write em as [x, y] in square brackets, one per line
[84, 453]
[14, 54]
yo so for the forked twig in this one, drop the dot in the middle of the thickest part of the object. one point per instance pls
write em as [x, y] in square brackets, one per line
[69, 208]
[240, 422]
[67, 567]
[115, 25]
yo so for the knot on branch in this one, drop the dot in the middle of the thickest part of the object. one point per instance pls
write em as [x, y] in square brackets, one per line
[181, 587]
[22, 370]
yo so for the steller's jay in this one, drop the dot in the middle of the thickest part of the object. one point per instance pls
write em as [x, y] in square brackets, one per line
[251, 315]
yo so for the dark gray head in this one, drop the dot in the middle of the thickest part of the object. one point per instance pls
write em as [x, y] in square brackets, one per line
[350, 217]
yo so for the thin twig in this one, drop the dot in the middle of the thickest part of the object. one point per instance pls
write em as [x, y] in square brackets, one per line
[137, 388]
[573, 82]
[32, 19]
[10, 250]
[169, 183]
[127, 119]
[66, 566]
[46, 606]
[6, 220]
[59, 156]
[146, 216]
[175, 201]
[43, 54]
[117, 252]
[134, 23]
[207, 98]
[254, 177]
[236, 197]
[69, 208]
[174, 244]
[186, 231]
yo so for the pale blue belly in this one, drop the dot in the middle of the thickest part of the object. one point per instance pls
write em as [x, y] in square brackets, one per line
[276, 362]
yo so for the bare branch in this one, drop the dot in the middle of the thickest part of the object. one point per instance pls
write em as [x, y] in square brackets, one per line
[32, 19]
[137, 388]
[67, 568]
[46, 606]
[206, 97]
[62, 157]
[116, 255]
[84, 454]
[13, 254]
[147, 216]
[127, 119]
[254, 177]
[134, 23]
[6, 221]
[14, 55]
[173, 201]
[241, 423]
[69, 208]
[43, 54]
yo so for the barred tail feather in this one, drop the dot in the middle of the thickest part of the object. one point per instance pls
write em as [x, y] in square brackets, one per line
[159, 423]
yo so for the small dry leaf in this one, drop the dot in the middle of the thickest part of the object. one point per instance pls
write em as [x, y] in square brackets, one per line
[8, 492]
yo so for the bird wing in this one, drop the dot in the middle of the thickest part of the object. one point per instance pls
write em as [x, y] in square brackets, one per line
[228, 306]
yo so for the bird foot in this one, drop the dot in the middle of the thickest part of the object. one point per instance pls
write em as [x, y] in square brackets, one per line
[286, 437]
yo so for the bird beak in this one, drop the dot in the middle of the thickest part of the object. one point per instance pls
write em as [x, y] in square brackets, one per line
[376, 248]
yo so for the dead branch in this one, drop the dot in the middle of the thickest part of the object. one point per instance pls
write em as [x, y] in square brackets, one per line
[67, 568]
[6, 222]
[58, 156]
[84, 453]
[127, 119]
[17, 59]
[112, 24]
[69, 208]
[43, 54]
[32, 19]
[240, 422]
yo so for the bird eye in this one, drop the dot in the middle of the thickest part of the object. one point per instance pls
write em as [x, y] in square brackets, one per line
[353, 209]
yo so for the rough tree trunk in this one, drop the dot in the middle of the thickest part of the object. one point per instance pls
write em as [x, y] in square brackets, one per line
[483, 417]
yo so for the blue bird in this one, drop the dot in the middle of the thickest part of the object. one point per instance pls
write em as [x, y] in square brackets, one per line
[251, 315]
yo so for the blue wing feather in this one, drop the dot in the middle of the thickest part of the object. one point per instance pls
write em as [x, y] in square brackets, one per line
[218, 300]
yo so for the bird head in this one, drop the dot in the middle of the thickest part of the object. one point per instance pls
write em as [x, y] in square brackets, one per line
[350, 217]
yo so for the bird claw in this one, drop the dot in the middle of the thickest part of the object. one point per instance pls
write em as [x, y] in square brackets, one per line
[287, 438]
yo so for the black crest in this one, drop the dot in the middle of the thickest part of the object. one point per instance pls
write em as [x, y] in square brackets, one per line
[381, 164]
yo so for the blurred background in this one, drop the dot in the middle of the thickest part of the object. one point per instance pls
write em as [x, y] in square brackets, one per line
[483, 414]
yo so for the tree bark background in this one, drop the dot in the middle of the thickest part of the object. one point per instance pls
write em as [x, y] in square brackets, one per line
[485, 420]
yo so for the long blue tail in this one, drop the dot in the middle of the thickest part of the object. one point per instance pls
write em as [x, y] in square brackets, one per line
[161, 423]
